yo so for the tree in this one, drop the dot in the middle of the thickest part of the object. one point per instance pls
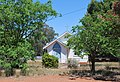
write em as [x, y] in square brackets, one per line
[18, 21]
[22, 17]
[39, 41]
[50, 33]
[99, 33]
[116, 29]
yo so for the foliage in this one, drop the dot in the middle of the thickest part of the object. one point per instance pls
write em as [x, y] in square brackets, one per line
[49, 61]
[22, 17]
[116, 7]
[18, 21]
[99, 32]
[39, 41]
[50, 33]
[24, 70]
[72, 63]
[8, 69]
[15, 56]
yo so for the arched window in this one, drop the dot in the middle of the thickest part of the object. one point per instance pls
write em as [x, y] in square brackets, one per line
[57, 50]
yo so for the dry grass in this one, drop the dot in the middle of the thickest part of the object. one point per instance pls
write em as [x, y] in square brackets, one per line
[99, 65]
[35, 68]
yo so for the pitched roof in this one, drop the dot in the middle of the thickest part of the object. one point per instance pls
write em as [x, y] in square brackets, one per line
[56, 40]
[64, 34]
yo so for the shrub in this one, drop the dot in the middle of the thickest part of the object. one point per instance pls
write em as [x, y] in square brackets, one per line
[24, 70]
[49, 61]
[72, 63]
[8, 69]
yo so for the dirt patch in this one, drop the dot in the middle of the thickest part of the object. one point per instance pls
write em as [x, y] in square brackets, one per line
[47, 78]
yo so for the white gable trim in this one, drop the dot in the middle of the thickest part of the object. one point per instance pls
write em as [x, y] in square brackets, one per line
[56, 40]
[49, 44]
[64, 34]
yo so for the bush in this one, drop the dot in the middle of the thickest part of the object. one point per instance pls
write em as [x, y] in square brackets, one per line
[72, 63]
[8, 69]
[24, 70]
[49, 61]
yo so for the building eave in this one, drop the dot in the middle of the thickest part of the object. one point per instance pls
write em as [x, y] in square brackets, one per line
[53, 43]
[46, 46]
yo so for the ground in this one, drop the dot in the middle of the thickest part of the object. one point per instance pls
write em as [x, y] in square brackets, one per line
[38, 74]
[46, 78]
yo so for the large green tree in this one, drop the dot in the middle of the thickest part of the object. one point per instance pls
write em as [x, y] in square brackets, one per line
[38, 41]
[21, 17]
[18, 21]
[99, 33]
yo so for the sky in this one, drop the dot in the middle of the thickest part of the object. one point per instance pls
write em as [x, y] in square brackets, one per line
[74, 10]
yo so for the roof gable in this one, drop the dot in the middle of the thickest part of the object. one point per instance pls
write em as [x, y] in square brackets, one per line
[63, 35]
[60, 40]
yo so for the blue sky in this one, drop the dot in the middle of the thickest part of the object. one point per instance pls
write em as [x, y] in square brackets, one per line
[65, 23]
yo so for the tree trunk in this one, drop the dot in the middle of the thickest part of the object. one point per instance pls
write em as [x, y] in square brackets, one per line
[119, 62]
[93, 63]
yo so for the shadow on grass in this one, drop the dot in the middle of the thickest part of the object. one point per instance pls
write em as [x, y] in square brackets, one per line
[103, 74]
